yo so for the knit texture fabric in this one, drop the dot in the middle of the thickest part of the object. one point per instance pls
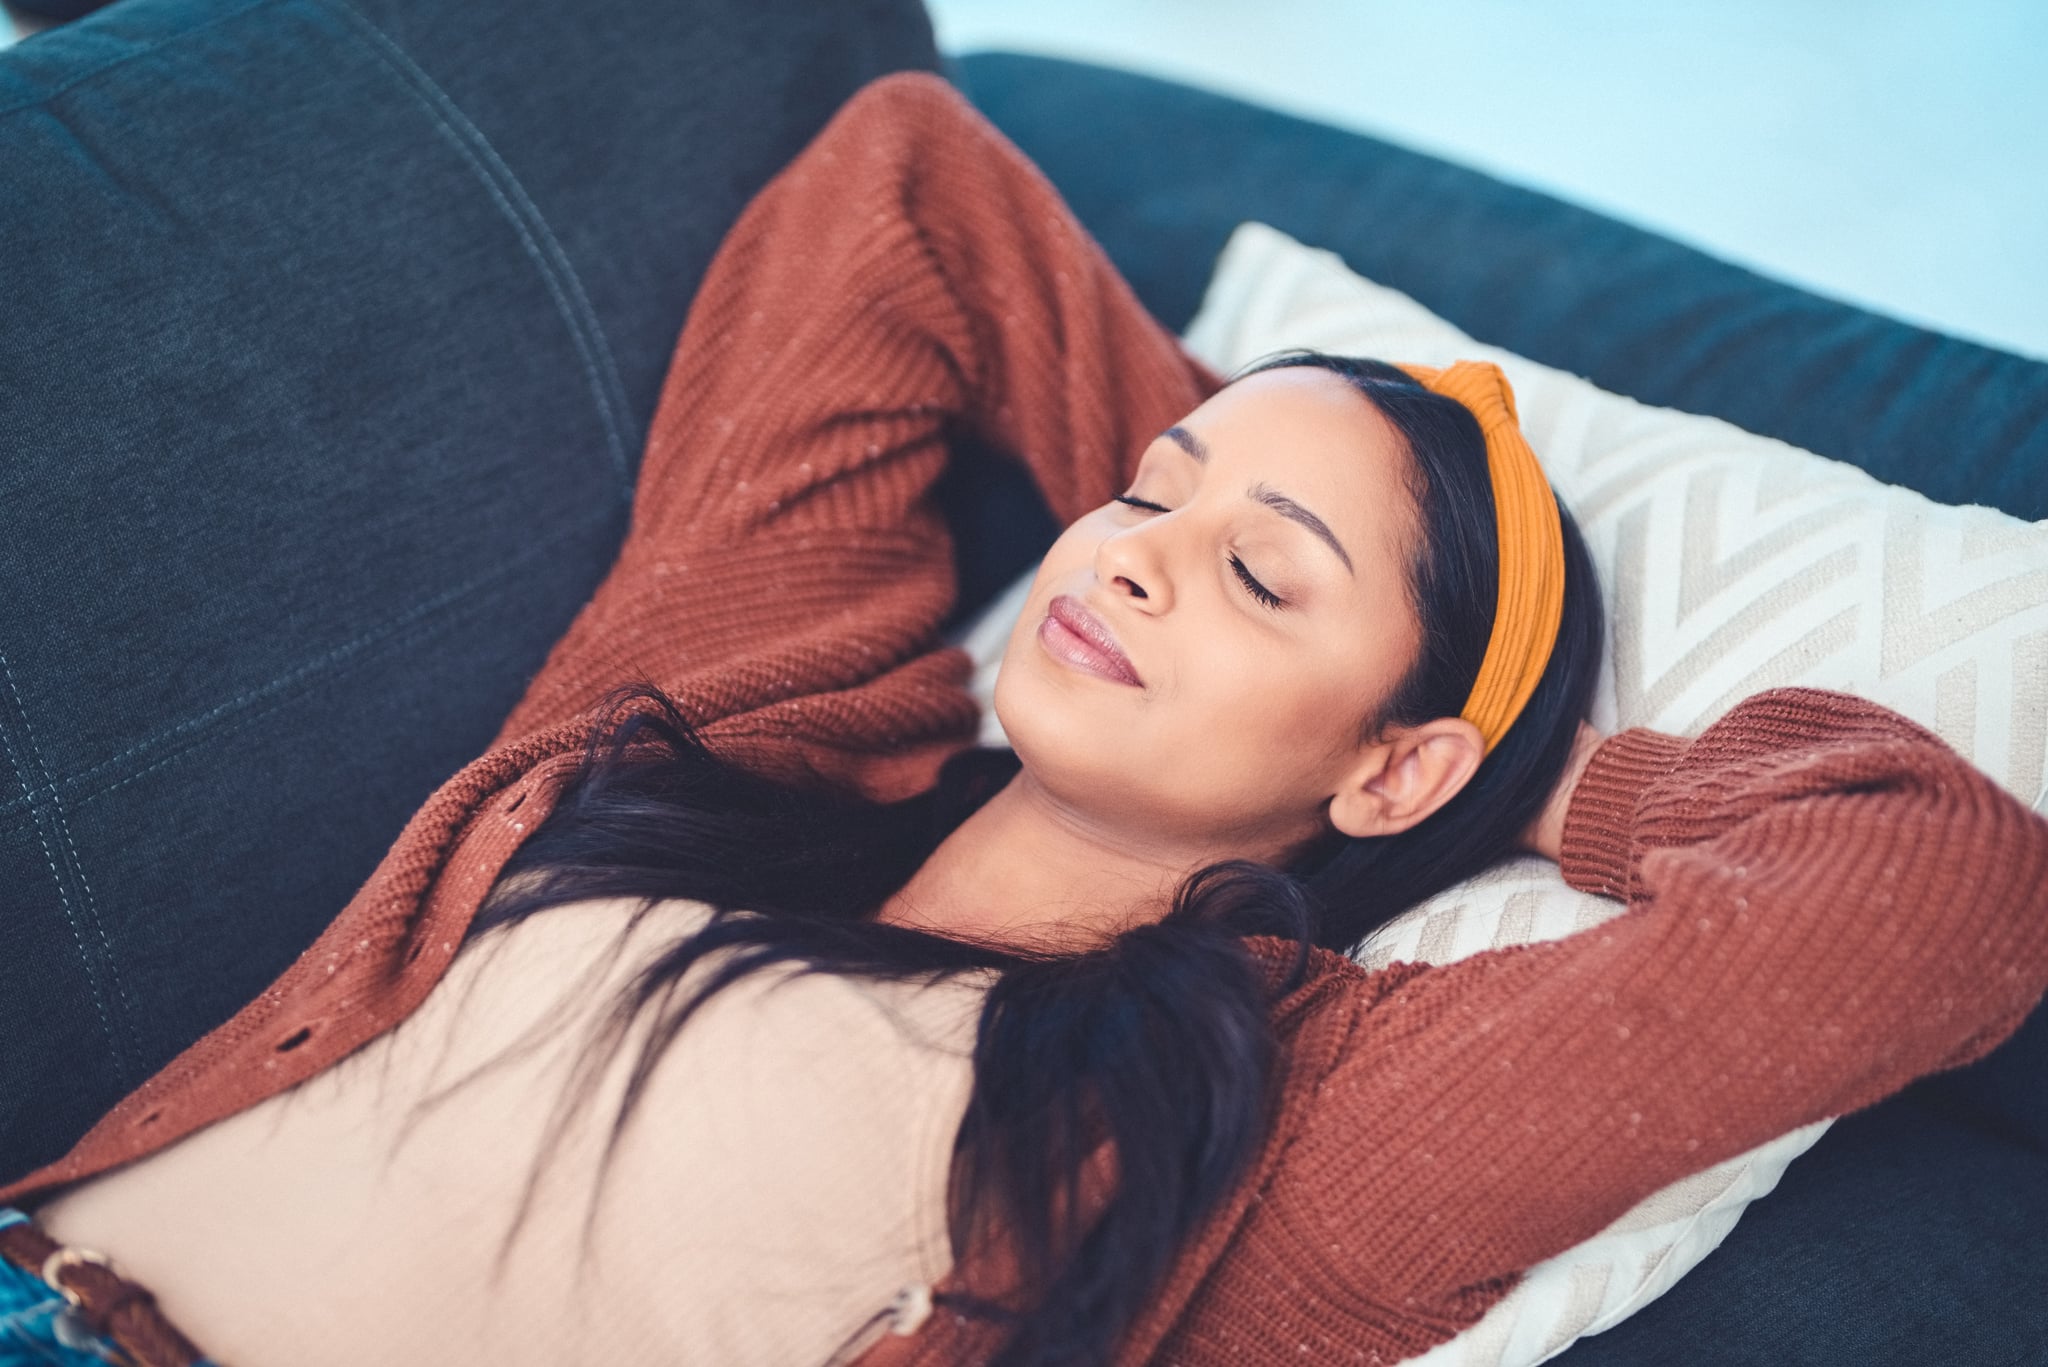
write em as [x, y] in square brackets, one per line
[1825, 901]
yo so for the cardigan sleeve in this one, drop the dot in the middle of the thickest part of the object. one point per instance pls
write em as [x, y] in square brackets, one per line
[908, 279]
[1825, 902]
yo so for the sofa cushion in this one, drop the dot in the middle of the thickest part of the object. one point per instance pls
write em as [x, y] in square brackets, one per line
[333, 331]
[1162, 173]
[1902, 1237]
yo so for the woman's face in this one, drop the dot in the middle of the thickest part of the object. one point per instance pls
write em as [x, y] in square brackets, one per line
[1196, 662]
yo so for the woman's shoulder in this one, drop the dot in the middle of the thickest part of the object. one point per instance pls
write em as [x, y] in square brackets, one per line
[1320, 991]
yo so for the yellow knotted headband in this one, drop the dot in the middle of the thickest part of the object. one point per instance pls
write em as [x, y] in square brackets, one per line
[1531, 603]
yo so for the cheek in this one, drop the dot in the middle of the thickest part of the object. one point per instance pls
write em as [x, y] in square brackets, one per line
[1243, 730]
[1074, 550]
[1075, 547]
[1277, 713]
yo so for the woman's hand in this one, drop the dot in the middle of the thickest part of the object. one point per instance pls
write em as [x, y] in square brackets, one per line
[1545, 835]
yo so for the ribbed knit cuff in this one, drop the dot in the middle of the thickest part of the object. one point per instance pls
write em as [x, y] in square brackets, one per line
[1600, 823]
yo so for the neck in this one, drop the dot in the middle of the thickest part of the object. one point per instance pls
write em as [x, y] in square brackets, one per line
[1030, 871]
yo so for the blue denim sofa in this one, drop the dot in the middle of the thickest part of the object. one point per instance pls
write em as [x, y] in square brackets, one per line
[329, 331]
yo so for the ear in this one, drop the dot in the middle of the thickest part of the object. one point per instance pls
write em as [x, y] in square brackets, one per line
[1405, 775]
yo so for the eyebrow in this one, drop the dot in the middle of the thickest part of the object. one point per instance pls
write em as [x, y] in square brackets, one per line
[1188, 442]
[1294, 512]
[1278, 502]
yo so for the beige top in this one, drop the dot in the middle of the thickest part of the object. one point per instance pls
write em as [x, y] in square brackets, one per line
[780, 1191]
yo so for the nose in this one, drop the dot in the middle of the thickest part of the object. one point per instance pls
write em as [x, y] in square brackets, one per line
[1133, 563]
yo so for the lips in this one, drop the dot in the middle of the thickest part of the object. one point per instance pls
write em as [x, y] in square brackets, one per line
[1076, 636]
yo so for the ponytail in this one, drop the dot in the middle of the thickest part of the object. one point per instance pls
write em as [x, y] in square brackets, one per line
[1155, 1050]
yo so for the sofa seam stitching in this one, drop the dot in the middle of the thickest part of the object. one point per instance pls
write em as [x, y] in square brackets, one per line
[55, 808]
[593, 349]
[233, 722]
[282, 683]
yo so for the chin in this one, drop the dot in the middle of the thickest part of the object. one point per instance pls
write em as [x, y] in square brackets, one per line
[1047, 726]
[1017, 715]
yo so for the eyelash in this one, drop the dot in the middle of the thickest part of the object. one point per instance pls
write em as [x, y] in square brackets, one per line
[1264, 596]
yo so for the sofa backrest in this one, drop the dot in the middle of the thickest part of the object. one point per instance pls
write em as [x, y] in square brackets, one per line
[1162, 173]
[331, 332]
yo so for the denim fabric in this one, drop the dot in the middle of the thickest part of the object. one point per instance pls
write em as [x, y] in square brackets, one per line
[333, 328]
[1162, 173]
[37, 1328]
[2004, 1094]
[1900, 1238]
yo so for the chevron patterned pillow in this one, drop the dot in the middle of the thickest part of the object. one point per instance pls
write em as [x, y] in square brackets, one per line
[1731, 563]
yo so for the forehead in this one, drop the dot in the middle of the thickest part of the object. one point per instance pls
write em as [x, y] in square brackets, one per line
[1313, 436]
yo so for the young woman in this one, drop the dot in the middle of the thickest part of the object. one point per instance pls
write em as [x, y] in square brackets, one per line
[740, 1025]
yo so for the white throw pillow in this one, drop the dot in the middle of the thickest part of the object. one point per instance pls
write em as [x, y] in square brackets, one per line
[1730, 563]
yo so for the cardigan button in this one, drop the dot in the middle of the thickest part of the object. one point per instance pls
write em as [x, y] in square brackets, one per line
[911, 1308]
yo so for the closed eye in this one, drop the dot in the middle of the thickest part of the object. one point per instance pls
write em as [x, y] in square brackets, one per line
[1265, 596]
[1252, 586]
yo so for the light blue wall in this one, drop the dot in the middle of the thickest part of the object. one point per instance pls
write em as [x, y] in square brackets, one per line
[1888, 152]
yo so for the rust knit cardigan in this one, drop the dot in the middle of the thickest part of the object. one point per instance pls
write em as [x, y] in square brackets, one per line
[1825, 901]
